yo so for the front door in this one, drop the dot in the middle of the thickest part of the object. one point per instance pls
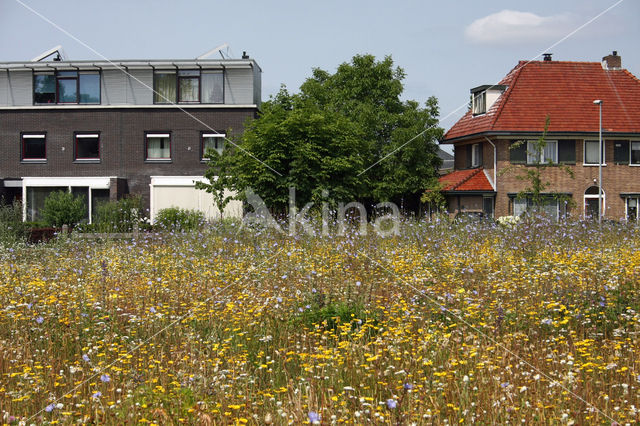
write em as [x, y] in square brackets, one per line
[591, 208]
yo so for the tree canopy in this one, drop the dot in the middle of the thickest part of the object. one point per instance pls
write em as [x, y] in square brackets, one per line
[348, 133]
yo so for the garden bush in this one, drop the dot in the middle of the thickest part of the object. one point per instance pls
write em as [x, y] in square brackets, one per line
[117, 216]
[12, 229]
[177, 219]
[63, 208]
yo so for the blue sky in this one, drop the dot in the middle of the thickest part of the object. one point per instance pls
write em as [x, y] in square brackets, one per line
[445, 48]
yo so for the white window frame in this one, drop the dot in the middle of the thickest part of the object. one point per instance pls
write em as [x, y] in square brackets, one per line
[67, 182]
[604, 151]
[636, 200]
[592, 196]
[531, 152]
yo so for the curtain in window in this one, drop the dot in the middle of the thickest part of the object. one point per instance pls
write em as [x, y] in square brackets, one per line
[519, 206]
[532, 156]
[635, 152]
[189, 89]
[158, 147]
[551, 152]
[165, 88]
[591, 152]
[212, 88]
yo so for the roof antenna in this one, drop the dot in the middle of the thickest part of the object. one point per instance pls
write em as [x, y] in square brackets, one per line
[216, 49]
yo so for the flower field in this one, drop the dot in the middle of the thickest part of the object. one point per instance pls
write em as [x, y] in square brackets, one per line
[534, 323]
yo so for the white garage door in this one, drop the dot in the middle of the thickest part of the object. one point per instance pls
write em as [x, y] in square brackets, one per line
[180, 191]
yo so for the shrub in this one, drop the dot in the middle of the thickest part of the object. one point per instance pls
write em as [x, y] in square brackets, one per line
[177, 219]
[118, 216]
[12, 229]
[63, 208]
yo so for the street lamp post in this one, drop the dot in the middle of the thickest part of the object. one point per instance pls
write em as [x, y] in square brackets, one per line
[599, 103]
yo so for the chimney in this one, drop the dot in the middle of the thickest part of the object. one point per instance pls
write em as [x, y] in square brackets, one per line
[244, 55]
[546, 57]
[612, 62]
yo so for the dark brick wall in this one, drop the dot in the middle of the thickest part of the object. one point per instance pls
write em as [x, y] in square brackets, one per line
[122, 142]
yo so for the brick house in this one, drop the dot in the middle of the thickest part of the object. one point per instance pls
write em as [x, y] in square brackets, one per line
[104, 129]
[493, 141]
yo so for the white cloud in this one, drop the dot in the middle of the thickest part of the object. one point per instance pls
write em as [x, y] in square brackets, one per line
[512, 26]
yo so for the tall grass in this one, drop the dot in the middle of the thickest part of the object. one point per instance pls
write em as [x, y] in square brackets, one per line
[457, 323]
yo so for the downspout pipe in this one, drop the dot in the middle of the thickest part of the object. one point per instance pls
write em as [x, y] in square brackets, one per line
[495, 165]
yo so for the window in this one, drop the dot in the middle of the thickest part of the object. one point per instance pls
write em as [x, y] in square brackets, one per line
[479, 103]
[550, 207]
[44, 88]
[189, 86]
[621, 152]
[635, 152]
[213, 141]
[212, 87]
[631, 204]
[66, 87]
[34, 147]
[476, 155]
[164, 87]
[158, 146]
[87, 146]
[591, 152]
[548, 154]
[89, 84]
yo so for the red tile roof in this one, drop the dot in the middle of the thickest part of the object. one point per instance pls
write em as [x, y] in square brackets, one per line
[466, 180]
[565, 92]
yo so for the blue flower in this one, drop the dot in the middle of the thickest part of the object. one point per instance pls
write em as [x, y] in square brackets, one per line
[391, 404]
[314, 417]
[408, 386]
[105, 378]
[49, 408]
[152, 310]
[96, 395]
[85, 358]
[40, 320]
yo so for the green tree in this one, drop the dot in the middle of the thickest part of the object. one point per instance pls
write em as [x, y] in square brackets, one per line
[348, 133]
[63, 208]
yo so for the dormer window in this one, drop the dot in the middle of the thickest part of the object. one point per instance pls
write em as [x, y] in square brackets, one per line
[483, 97]
[479, 103]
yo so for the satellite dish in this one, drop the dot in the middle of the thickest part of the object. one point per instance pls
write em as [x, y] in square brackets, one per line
[217, 49]
[44, 55]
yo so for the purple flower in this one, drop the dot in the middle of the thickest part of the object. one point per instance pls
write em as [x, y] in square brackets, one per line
[279, 299]
[39, 320]
[391, 404]
[313, 417]
[505, 384]
[49, 408]
[96, 395]
[105, 378]
[85, 358]
[408, 386]
[152, 310]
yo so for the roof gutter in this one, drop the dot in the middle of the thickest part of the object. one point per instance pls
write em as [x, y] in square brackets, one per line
[495, 165]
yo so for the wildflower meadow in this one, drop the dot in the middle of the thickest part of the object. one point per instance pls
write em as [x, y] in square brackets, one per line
[530, 322]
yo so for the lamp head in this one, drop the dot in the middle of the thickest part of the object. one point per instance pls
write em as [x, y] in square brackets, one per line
[598, 102]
